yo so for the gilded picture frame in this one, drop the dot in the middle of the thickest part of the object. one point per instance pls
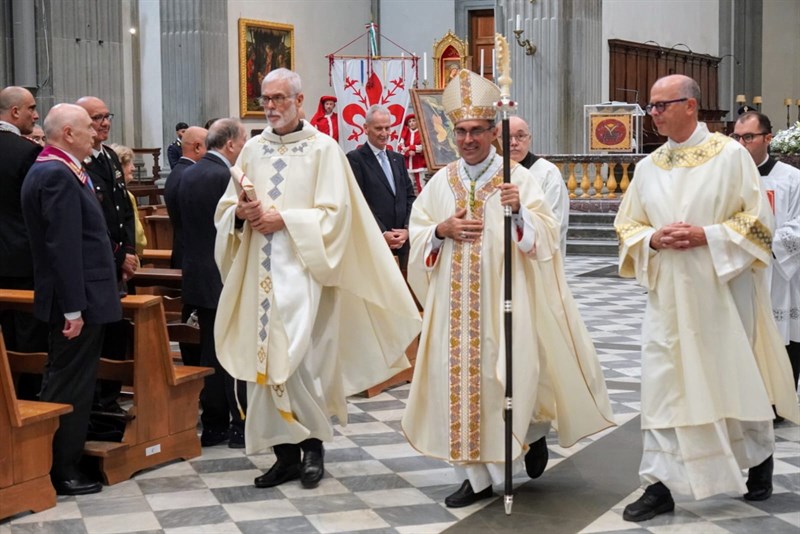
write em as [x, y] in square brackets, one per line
[438, 140]
[449, 56]
[263, 47]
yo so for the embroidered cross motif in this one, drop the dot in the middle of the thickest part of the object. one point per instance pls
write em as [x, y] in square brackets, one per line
[277, 179]
[268, 150]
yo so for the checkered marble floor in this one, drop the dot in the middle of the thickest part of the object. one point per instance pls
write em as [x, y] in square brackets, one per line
[375, 482]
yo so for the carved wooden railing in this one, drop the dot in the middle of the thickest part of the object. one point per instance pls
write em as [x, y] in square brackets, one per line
[596, 177]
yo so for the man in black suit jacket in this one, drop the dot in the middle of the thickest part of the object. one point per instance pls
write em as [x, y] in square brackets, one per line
[175, 149]
[389, 192]
[201, 187]
[75, 282]
[22, 332]
[194, 148]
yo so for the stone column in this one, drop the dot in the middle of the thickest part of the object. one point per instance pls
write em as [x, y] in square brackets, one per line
[564, 74]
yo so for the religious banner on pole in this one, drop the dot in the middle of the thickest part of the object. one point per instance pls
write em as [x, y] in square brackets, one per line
[360, 83]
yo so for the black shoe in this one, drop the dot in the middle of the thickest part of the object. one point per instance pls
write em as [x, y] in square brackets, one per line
[759, 481]
[210, 437]
[656, 500]
[536, 458]
[312, 468]
[465, 496]
[236, 439]
[80, 485]
[278, 474]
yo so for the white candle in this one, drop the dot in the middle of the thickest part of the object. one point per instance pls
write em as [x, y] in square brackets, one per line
[519, 22]
[481, 61]
[425, 66]
[494, 75]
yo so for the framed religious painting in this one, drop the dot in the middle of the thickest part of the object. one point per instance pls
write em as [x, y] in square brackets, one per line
[263, 47]
[438, 141]
[612, 128]
[449, 57]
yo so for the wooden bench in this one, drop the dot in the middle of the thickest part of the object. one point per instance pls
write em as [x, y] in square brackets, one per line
[156, 258]
[26, 447]
[159, 228]
[165, 396]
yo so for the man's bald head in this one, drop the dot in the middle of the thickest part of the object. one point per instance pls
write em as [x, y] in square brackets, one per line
[674, 105]
[520, 142]
[68, 127]
[193, 144]
[101, 118]
[18, 107]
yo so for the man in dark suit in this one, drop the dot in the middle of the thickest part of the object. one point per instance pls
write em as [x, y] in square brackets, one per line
[384, 181]
[201, 187]
[105, 170]
[175, 150]
[22, 332]
[194, 148]
[75, 281]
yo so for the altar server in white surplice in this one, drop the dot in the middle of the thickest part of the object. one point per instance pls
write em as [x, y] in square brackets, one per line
[695, 230]
[313, 306]
[455, 408]
[781, 182]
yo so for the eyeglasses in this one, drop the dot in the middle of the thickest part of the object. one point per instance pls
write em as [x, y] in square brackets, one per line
[661, 106]
[278, 100]
[748, 137]
[461, 133]
[520, 138]
[100, 118]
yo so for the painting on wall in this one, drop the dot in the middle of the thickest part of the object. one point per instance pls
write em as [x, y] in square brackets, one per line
[438, 141]
[263, 47]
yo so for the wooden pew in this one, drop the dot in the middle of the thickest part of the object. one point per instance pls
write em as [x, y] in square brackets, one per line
[26, 447]
[152, 257]
[165, 396]
[160, 229]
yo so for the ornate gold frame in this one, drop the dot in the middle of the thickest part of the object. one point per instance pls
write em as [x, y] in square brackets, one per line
[249, 31]
[439, 47]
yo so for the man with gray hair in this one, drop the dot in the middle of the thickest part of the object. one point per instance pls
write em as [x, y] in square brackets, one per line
[313, 307]
[695, 229]
[382, 176]
[200, 189]
[17, 117]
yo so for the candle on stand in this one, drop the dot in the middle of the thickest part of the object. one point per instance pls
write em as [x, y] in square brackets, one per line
[425, 67]
[788, 103]
[481, 72]
[494, 76]
[519, 22]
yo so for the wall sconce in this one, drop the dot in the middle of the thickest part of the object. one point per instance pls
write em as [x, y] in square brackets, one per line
[530, 48]
[757, 101]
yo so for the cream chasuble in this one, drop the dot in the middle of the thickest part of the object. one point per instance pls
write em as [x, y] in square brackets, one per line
[316, 311]
[455, 409]
[712, 363]
[782, 186]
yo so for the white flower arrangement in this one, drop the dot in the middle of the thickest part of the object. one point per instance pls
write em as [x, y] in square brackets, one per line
[786, 141]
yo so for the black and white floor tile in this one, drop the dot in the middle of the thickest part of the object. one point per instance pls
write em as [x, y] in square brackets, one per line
[376, 483]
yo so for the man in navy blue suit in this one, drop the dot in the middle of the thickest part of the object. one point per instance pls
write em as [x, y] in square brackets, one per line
[75, 282]
[382, 176]
[201, 187]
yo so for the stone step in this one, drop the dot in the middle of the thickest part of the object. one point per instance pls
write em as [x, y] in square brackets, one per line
[591, 231]
[590, 247]
[582, 217]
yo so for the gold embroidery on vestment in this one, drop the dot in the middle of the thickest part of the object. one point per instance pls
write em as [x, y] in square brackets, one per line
[752, 229]
[668, 158]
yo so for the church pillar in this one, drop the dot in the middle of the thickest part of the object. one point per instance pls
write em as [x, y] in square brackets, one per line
[194, 63]
[564, 73]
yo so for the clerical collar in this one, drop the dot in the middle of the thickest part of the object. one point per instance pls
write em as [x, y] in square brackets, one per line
[697, 137]
[529, 159]
[479, 168]
[766, 167]
[8, 127]
[220, 156]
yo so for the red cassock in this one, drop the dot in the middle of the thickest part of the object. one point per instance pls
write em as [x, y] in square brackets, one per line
[327, 124]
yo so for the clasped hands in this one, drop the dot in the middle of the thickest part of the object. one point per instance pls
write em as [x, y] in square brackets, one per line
[678, 236]
[396, 237]
[459, 228]
[264, 222]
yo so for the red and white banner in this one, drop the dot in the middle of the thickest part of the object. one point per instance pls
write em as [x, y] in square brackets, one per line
[362, 83]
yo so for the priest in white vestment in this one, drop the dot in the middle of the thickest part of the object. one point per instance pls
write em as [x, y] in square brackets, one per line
[695, 230]
[455, 408]
[781, 183]
[313, 306]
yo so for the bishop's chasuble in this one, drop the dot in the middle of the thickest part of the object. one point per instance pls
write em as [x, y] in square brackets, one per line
[455, 408]
[712, 358]
[313, 312]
